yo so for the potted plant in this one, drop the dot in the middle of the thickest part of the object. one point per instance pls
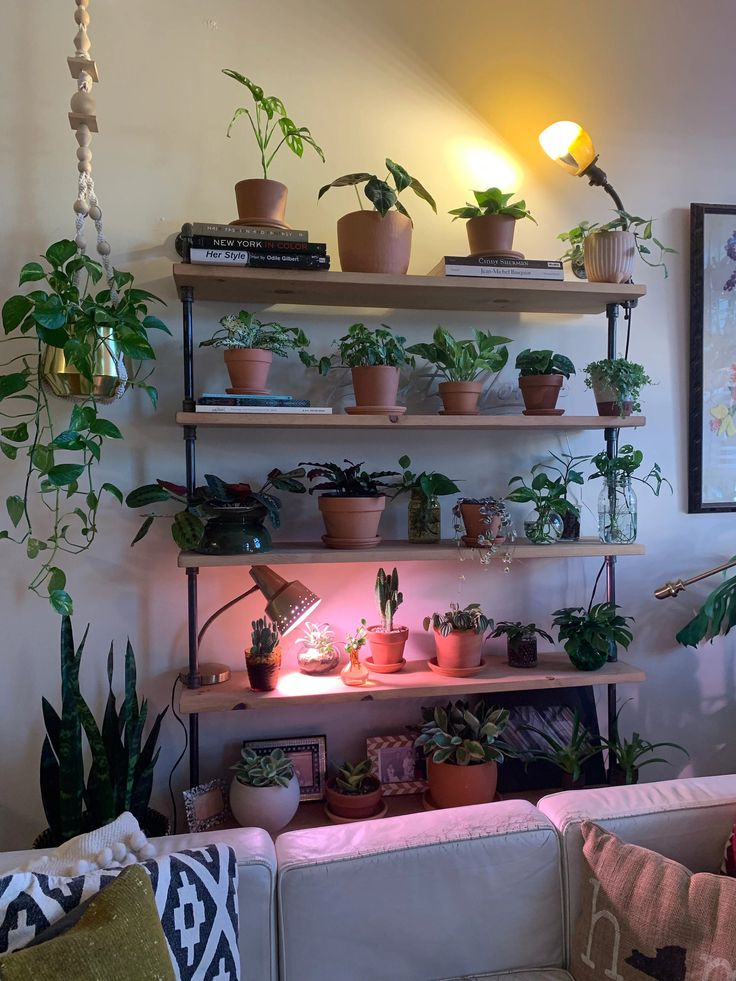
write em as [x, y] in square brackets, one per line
[540, 379]
[617, 385]
[75, 341]
[617, 503]
[264, 792]
[386, 640]
[627, 756]
[461, 743]
[122, 763]
[262, 201]
[219, 518]
[458, 637]
[461, 363]
[352, 505]
[591, 635]
[609, 250]
[263, 659]
[568, 756]
[486, 520]
[318, 652]
[574, 253]
[564, 466]
[355, 673]
[354, 793]
[378, 240]
[249, 347]
[375, 358]
[424, 490]
[491, 222]
[544, 525]
[521, 641]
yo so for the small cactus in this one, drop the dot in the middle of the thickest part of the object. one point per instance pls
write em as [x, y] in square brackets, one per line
[264, 637]
[388, 597]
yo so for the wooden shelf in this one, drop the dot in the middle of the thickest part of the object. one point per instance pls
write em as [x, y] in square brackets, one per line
[414, 681]
[338, 289]
[283, 420]
[302, 553]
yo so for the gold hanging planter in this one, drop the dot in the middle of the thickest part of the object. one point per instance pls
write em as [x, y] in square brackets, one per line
[111, 371]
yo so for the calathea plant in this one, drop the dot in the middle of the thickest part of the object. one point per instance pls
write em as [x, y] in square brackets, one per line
[350, 481]
[65, 313]
[383, 192]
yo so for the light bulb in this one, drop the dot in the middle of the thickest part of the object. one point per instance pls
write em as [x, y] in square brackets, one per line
[569, 145]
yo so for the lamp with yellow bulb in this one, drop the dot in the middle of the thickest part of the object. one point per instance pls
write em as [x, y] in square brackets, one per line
[570, 146]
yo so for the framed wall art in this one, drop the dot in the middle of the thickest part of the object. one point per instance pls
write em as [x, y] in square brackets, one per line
[712, 438]
[398, 764]
[309, 756]
[208, 806]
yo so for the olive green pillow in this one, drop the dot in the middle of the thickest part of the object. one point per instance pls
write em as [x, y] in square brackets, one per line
[119, 937]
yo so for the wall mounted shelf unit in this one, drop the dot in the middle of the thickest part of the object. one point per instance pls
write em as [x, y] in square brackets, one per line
[357, 290]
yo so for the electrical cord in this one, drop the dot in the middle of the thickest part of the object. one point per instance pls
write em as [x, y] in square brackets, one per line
[595, 584]
[627, 318]
[183, 752]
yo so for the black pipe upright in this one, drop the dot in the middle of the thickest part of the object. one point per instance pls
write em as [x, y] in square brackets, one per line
[611, 436]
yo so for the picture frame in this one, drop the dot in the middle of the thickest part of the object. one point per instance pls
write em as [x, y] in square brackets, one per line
[309, 756]
[712, 417]
[398, 764]
[207, 806]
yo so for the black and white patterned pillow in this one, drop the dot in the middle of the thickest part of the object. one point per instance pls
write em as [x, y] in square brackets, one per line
[196, 898]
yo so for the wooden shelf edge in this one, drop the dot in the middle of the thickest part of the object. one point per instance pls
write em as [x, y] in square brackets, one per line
[415, 681]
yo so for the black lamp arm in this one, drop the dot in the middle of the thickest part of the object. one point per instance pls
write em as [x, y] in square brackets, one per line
[223, 609]
[598, 178]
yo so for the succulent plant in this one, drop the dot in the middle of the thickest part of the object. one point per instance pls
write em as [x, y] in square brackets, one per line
[273, 769]
[317, 636]
[471, 618]
[264, 638]
[355, 778]
[463, 734]
[388, 597]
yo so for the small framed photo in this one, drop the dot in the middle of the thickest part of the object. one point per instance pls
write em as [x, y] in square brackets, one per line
[208, 806]
[398, 764]
[309, 756]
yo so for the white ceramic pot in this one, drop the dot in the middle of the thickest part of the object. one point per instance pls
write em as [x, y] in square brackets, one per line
[609, 256]
[270, 808]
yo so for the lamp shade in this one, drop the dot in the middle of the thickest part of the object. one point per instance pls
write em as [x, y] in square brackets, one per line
[569, 145]
[288, 603]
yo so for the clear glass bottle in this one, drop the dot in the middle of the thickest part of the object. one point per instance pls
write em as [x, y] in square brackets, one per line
[570, 521]
[543, 528]
[424, 519]
[617, 513]
[355, 673]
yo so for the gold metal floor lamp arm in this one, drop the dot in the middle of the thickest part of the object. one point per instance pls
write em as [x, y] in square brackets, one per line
[673, 588]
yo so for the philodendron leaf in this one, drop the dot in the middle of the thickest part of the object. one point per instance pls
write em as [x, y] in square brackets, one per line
[61, 602]
[16, 508]
[381, 196]
[64, 474]
[15, 310]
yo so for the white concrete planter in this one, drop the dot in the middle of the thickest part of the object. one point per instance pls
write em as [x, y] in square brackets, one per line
[609, 256]
[270, 808]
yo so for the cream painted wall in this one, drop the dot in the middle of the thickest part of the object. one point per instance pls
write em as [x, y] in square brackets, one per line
[368, 87]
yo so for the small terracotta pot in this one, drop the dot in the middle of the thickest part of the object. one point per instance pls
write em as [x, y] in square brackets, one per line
[263, 670]
[540, 393]
[261, 202]
[522, 653]
[475, 523]
[451, 785]
[460, 398]
[567, 782]
[351, 522]
[491, 234]
[356, 807]
[387, 648]
[606, 399]
[375, 384]
[459, 649]
[248, 368]
[370, 243]
[609, 256]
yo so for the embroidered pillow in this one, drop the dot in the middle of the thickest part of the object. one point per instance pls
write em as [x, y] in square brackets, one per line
[645, 916]
[196, 898]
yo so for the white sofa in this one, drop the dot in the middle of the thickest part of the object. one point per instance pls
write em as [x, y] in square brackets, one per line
[474, 893]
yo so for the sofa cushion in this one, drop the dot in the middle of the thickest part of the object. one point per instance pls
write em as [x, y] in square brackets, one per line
[686, 820]
[644, 915]
[443, 894]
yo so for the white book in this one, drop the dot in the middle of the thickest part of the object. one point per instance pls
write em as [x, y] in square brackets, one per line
[504, 272]
[300, 410]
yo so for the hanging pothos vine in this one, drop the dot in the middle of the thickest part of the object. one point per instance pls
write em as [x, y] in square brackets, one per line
[55, 512]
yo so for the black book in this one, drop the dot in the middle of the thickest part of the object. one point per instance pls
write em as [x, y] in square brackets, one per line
[252, 400]
[243, 244]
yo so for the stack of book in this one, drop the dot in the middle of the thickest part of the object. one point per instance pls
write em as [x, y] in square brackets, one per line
[221, 402]
[498, 267]
[257, 247]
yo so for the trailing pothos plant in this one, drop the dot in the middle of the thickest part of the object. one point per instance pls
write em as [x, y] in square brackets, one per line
[644, 240]
[64, 312]
[379, 191]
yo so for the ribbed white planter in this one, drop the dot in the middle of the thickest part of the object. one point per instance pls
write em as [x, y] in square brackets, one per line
[270, 808]
[609, 256]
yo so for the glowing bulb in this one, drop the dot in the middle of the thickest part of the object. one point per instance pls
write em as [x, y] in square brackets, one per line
[569, 145]
[482, 163]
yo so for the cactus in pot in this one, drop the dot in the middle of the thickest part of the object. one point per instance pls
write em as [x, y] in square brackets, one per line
[263, 660]
[387, 641]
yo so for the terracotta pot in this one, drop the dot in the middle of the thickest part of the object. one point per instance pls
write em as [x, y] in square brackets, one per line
[375, 385]
[609, 257]
[460, 398]
[459, 649]
[263, 669]
[522, 653]
[248, 368]
[607, 400]
[351, 522]
[567, 782]
[357, 807]
[457, 786]
[270, 808]
[491, 234]
[370, 243]
[261, 202]
[540, 393]
[387, 648]
[476, 524]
